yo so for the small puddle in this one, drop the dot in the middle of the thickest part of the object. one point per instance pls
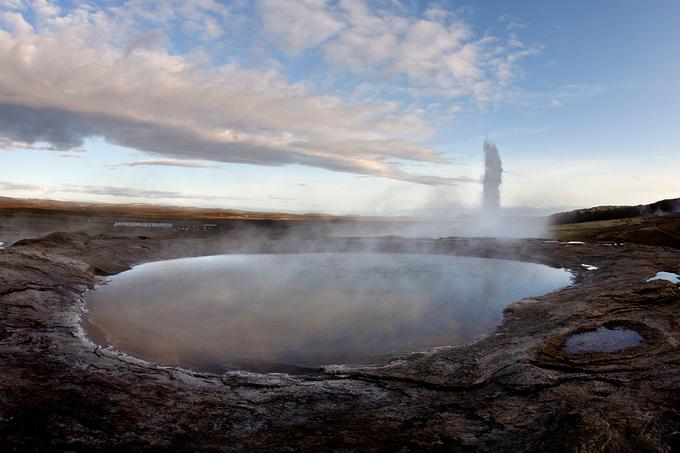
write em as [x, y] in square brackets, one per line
[602, 339]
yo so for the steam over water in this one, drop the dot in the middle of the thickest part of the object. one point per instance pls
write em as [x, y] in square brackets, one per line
[491, 198]
[285, 312]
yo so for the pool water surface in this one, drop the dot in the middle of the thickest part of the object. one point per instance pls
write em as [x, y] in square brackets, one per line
[291, 312]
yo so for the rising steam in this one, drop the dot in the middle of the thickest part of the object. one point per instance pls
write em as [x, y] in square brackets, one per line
[491, 198]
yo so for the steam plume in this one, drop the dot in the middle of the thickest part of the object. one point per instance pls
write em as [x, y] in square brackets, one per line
[491, 198]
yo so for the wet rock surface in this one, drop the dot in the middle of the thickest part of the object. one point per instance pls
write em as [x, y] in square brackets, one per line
[515, 390]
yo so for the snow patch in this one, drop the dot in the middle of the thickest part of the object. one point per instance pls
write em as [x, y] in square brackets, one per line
[668, 276]
[589, 267]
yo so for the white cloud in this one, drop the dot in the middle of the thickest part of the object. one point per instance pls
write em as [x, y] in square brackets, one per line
[112, 73]
[113, 192]
[437, 52]
[128, 192]
[11, 4]
[8, 144]
[148, 39]
[164, 163]
[23, 187]
[15, 23]
[297, 25]
[511, 23]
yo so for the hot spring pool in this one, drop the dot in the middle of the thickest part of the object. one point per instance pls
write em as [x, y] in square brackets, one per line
[288, 312]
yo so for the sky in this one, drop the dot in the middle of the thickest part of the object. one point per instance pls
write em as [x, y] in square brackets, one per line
[340, 106]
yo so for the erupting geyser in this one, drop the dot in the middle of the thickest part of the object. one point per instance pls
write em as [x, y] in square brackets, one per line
[491, 198]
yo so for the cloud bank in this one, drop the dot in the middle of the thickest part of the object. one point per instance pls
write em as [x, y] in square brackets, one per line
[163, 77]
[163, 163]
[121, 192]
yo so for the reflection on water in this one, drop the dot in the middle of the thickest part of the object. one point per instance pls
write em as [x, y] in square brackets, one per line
[280, 312]
[602, 340]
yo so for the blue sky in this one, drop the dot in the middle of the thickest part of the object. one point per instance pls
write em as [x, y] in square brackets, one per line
[342, 106]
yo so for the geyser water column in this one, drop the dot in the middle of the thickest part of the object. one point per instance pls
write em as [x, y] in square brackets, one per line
[491, 197]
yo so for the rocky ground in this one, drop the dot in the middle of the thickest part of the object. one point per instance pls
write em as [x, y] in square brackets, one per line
[663, 230]
[515, 390]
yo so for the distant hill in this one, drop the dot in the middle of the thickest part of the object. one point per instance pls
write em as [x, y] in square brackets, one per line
[147, 211]
[663, 207]
[9, 206]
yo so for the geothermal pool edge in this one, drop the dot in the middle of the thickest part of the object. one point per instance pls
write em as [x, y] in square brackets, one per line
[294, 312]
[515, 390]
